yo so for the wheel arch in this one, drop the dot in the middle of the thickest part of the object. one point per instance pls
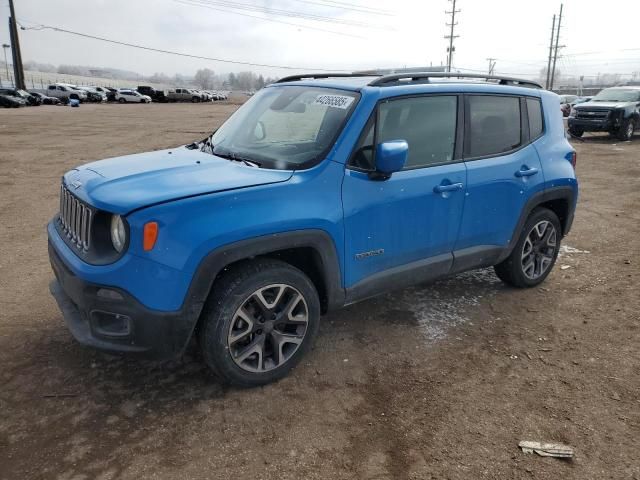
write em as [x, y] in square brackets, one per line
[311, 251]
[560, 200]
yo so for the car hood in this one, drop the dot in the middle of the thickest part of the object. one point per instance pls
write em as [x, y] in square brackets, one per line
[590, 104]
[123, 184]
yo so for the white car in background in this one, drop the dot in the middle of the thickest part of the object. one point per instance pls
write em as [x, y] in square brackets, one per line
[131, 96]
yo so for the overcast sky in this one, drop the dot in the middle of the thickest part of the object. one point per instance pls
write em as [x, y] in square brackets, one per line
[599, 36]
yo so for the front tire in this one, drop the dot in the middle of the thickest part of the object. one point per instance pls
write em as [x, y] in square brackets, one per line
[626, 130]
[259, 321]
[576, 132]
[535, 253]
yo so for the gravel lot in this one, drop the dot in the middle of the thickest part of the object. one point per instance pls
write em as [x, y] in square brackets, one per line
[438, 381]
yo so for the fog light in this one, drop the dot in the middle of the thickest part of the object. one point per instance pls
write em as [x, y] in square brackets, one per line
[110, 324]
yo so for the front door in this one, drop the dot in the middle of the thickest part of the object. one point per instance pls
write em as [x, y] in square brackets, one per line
[403, 227]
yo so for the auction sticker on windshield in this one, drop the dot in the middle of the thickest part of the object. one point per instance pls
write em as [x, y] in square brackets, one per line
[336, 101]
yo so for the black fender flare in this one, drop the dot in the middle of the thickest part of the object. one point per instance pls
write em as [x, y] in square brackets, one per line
[217, 260]
[565, 192]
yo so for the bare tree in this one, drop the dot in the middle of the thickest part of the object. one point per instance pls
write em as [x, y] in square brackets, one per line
[204, 78]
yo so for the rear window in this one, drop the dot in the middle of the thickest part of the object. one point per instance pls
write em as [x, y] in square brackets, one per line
[494, 125]
[534, 111]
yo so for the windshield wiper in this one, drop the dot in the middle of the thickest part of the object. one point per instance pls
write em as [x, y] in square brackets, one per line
[236, 158]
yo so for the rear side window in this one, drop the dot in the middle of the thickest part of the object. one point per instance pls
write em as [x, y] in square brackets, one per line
[494, 125]
[534, 110]
[428, 124]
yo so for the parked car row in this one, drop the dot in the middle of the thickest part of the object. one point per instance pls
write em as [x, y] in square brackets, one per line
[63, 92]
[194, 95]
[12, 97]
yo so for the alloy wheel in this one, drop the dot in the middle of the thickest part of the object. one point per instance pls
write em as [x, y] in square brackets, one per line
[268, 328]
[538, 251]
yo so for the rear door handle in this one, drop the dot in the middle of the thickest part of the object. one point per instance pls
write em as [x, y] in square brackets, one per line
[452, 187]
[526, 172]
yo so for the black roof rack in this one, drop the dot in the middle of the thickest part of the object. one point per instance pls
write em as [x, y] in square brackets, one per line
[386, 80]
[313, 76]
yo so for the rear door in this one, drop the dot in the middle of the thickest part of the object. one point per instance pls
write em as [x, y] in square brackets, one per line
[406, 226]
[503, 171]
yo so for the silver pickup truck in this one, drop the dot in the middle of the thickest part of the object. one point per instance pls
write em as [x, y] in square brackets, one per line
[65, 92]
[184, 95]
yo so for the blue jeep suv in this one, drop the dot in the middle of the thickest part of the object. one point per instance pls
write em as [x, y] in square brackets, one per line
[320, 191]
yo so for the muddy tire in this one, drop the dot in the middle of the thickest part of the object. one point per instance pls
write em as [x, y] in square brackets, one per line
[535, 253]
[628, 127]
[259, 321]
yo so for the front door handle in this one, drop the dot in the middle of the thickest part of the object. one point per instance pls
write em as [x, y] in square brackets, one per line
[452, 187]
[526, 172]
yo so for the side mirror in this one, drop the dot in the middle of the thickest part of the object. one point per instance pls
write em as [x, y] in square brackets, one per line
[259, 132]
[390, 157]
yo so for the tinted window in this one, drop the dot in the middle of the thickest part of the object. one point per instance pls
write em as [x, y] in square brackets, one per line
[494, 124]
[428, 124]
[534, 110]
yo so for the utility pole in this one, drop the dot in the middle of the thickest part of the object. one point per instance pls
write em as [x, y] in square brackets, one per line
[553, 31]
[6, 64]
[555, 54]
[18, 72]
[451, 36]
[492, 65]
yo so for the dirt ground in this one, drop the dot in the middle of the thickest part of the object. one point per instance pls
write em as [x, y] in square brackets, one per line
[438, 381]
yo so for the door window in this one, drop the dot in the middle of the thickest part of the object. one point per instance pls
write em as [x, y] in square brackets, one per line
[494, 125]
[427, 124]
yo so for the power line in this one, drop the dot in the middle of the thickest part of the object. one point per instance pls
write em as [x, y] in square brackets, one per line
[299, 25]
[280, 12]
[347, 6]
[170, 52]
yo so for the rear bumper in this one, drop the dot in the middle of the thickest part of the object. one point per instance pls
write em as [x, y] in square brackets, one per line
[112, 320]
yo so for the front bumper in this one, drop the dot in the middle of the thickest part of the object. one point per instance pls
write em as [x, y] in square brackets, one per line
[112, 320]
[609, 124]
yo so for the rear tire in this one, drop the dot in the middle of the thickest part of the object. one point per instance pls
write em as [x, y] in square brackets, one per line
[122, 100]
[535, 253]
[625, 133]
[259, 321]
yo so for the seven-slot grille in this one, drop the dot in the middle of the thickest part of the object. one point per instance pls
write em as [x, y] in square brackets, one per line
[75, 219]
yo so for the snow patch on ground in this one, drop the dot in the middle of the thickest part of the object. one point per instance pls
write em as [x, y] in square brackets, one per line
[568, 250]
[446, 304]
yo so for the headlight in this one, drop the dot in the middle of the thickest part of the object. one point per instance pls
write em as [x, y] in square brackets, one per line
[572, 113]
[118, 233]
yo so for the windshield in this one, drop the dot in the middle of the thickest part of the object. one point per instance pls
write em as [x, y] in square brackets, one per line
[617, 95]
[284, 127]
